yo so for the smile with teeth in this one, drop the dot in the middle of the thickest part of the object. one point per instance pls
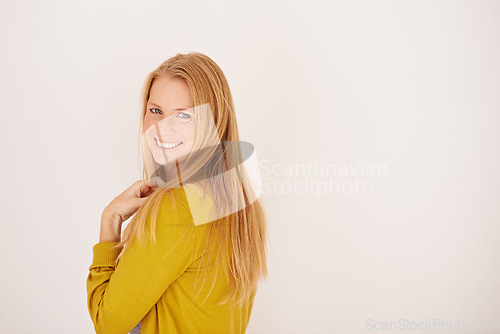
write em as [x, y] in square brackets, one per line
[167, 145]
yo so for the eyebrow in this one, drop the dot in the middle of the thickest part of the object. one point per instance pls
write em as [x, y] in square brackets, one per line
[154, 104]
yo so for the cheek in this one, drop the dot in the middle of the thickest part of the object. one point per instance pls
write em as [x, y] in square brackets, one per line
[190, 136]
[189, 133]
[148, 122]
[145, 124]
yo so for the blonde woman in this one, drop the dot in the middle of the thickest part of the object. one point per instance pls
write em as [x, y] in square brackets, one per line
[190, 259]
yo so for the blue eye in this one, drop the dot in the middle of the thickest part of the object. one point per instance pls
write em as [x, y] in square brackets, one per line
[154, 109]
[184, 115]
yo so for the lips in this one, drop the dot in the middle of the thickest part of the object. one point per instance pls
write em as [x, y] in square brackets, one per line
[167, 144]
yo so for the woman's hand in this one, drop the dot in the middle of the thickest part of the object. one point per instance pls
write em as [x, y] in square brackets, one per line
[121, 208]
[128, 202]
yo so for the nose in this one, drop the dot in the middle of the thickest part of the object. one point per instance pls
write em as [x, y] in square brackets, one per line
[165, 127]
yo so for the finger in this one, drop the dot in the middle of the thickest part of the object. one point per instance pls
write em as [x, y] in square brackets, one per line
[144, 188]
[152, 185]
[151, 190]
[141, 201]
[147, 182]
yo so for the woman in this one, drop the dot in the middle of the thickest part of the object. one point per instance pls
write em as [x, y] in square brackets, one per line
[190, 259]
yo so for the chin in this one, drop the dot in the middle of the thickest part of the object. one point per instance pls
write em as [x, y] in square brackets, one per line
[160, 159]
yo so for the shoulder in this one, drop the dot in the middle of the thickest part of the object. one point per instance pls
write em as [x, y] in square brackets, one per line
[174, 207]
[190, 199]
[188, 202]
[200, 204]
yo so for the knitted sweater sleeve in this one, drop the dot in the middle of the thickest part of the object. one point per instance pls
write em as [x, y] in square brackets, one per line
[119, 297]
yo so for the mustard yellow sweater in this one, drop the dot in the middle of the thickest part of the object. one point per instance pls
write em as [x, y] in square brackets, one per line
[155, 284]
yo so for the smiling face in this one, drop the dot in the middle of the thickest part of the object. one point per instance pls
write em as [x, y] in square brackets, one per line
[169, 123]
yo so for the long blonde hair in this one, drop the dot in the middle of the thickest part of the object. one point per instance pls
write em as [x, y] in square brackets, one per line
[242, 235]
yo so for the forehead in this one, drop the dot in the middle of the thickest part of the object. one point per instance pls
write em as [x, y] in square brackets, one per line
[170, 92]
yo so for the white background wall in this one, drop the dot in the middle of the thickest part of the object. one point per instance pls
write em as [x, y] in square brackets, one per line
[410, 86]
